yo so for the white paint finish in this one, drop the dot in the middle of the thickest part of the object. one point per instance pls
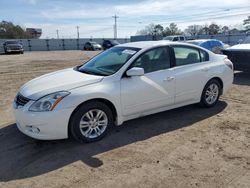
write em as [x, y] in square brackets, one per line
[142, 93]
[132, 96]
[63, 80]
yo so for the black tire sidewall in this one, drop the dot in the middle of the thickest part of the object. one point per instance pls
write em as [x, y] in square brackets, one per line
[203, 97]
[77, 115]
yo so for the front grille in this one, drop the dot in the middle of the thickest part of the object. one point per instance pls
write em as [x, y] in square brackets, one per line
[21, 100]
[15, 48]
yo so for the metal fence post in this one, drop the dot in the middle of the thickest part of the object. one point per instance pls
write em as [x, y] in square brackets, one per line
[77, 43]
[47, 44]
[29, 45]
[63, 44]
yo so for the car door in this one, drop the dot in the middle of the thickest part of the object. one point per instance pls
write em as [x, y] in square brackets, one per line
[191, 73]
[152, 90]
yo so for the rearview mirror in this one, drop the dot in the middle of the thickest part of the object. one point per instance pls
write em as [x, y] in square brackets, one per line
[135, 71]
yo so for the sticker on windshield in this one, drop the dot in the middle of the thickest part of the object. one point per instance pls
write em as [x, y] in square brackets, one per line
[130, 52]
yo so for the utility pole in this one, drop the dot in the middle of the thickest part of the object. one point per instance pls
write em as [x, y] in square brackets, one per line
[77, 28]
[115, 26]
[57, 33]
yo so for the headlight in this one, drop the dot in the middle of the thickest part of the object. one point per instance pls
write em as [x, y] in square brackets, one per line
[48, 102]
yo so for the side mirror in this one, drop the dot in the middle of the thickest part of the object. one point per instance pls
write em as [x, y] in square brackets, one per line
[135, 71]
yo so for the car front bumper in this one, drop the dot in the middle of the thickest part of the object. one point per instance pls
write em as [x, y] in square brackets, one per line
[50, 125]
[14, 50]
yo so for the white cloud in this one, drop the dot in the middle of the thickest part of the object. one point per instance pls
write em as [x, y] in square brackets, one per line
[96, 20]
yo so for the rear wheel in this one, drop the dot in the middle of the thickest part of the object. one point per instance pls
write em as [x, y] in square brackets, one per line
[211, 93]
[91, 122]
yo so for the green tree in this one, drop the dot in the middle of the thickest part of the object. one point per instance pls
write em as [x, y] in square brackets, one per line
[246, 23]
[148, 30]
[172, 29]
[214, 29]
[10, 31]
[158, 29]
[194, 30]
[225, 29]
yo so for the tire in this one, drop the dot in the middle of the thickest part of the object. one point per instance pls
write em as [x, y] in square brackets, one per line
[89, 131]
[210, 94]
[84, 48]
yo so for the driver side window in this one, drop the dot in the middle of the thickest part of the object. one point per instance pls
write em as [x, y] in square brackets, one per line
[153, 60]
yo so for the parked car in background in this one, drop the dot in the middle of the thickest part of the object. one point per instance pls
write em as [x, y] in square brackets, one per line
[124, 82]
[240, 55]
[180, 38]
[213, 45]
[92, 46]
[1, 49]
[109, 43]
[12, 46]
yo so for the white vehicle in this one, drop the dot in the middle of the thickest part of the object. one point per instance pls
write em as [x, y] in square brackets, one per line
[179, 38]
[125, 82]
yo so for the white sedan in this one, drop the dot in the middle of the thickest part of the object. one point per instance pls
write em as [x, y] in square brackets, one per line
[125, 82]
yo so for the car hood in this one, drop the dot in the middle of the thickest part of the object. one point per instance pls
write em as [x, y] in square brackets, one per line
[63, 80]
[96, 45]
[240, 47]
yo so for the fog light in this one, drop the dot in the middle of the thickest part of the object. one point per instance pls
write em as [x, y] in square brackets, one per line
[33, 129]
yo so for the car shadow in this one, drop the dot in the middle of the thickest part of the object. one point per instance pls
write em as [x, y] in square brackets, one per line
[22, 157]
[242, 78]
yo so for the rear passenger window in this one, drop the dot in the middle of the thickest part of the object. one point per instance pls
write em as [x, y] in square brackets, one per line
[204, 56]
[182, 38]
[188, 55]
[175, 39]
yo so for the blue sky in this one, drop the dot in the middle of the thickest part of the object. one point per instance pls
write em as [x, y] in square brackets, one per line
[95, 16]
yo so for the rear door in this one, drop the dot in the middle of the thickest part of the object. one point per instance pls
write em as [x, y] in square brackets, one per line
[191, 72]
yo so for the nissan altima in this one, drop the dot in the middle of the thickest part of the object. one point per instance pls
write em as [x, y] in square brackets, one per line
[122, 83]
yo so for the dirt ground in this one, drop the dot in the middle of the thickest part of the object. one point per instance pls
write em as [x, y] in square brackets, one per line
[186, 147]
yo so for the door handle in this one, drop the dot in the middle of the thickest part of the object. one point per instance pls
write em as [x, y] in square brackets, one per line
[205, 69]
[170, 78]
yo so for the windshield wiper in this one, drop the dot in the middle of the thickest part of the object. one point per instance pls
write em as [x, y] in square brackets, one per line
[90, 72]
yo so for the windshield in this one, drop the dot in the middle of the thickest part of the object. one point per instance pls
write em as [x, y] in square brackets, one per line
[114, 42]
[11, 42]
[168, 38]
[109, 61]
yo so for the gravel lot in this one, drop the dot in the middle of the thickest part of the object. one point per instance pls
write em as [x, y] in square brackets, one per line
[185, 147]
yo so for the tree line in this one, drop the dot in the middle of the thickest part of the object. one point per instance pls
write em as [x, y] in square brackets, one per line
[8, 30]
[192, 30]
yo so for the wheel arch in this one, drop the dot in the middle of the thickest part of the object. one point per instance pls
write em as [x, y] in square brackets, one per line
[103, 100]
[220, 82]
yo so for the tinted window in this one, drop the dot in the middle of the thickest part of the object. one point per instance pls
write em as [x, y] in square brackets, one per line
[154, 60]
[182, 38]
[203, 55]
[175, 39]
[186, 55]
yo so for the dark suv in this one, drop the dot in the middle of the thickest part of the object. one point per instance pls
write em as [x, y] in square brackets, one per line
[12, 46]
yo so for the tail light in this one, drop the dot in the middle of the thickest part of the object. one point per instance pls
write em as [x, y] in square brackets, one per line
[229, 63]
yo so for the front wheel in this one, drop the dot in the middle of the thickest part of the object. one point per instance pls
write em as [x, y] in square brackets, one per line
[91, 122]
[211, 93]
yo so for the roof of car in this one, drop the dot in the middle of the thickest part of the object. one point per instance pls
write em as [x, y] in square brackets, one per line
[202, 40]
[148, 44]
